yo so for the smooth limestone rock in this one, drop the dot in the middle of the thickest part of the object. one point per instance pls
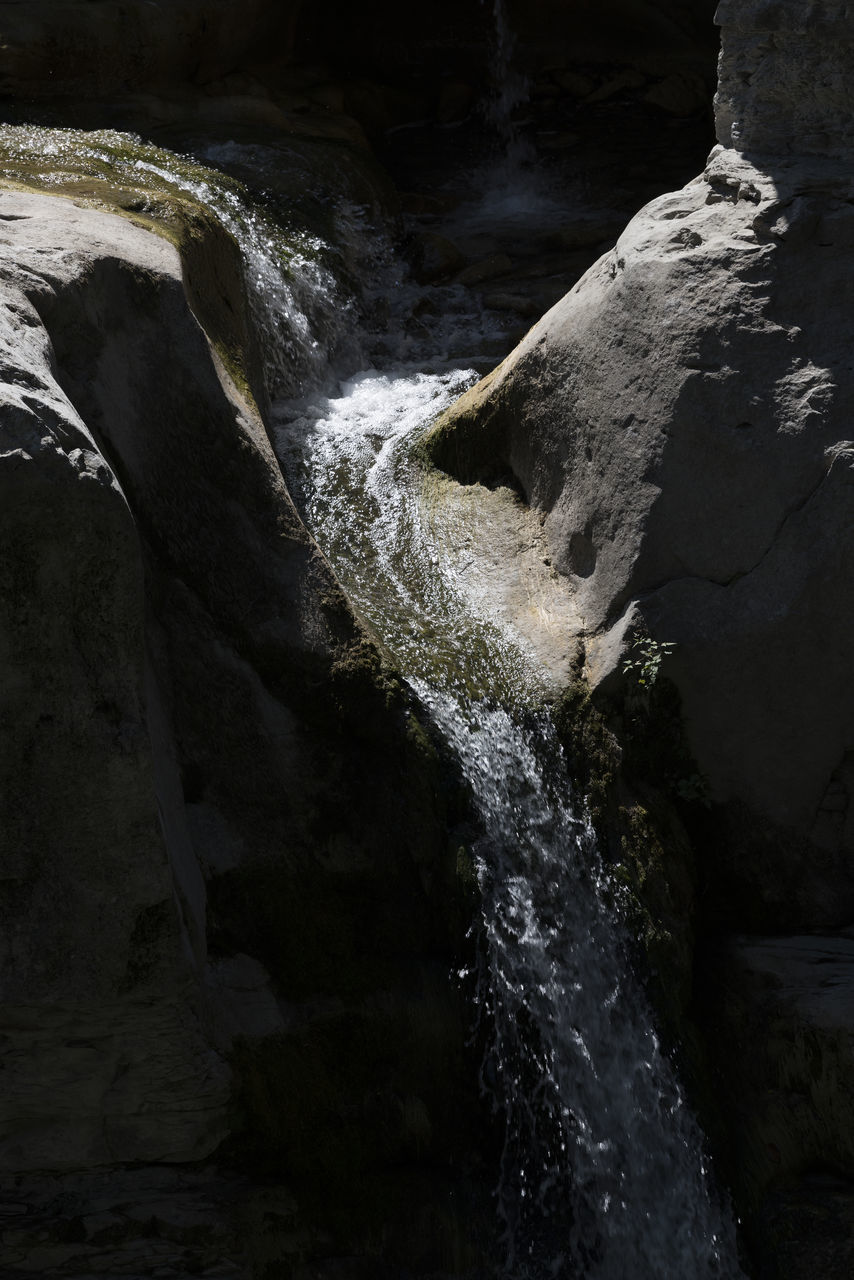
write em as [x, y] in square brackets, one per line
[683, 416]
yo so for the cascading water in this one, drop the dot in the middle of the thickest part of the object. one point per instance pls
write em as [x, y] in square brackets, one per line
[603, 1173]
[510, 87]
[511, 187]
[306, 317]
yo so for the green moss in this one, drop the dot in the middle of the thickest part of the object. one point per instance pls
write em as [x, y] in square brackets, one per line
[468, 441]
[593, 752]
[172, 196]
[626, 757]
[656, 866]
[629, 755]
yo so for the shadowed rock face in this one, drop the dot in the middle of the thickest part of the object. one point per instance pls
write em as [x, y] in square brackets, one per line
[80, 49]
[456, 34]
[84, 49]
[228, 904]
[785, 78]
[104, 935]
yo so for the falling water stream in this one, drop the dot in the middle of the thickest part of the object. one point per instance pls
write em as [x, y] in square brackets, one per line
[603, 1173]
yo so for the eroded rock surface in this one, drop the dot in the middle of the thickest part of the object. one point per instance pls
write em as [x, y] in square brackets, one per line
[785, 78]
[106, 1047]
[683, 418]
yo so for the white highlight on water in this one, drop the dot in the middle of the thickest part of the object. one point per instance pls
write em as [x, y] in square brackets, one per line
[603, 1171]
[304, 317]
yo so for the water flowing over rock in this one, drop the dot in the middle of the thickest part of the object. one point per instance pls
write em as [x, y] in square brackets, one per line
[202, 761]
[408, 827]
[682, 421]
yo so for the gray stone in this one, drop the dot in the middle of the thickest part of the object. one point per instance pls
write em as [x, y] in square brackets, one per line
[785, 84]
[105, 1051]
[200, 750]
[781, 1024]
[683, 417]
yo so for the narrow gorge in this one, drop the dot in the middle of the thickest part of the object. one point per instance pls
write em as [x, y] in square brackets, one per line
[425, 772]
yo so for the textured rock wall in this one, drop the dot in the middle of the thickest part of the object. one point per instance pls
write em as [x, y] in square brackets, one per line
[459, 35]
[106, 1053]
[785, 86]
[88, 48]
[683, 418]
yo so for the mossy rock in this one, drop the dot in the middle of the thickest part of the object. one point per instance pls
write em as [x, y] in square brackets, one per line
[626, 757]
[172, 196]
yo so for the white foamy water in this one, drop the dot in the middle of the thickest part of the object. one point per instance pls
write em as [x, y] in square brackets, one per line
[306, 320]
[603, 1172]
[349, 459]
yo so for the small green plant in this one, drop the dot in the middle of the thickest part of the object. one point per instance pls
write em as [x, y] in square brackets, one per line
[645, 659]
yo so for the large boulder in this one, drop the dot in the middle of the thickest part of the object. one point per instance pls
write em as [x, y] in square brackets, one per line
[228, 899]
[106, 1054]
[683, 420]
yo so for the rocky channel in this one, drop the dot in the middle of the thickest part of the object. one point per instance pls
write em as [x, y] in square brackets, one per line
[426, 496]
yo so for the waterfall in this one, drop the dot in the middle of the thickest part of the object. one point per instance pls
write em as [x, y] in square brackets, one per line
[511, 185]
[603, 1174]
[305, 318]
[509, 85]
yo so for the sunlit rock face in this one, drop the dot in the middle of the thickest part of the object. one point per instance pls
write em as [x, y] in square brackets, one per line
[682, 418]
